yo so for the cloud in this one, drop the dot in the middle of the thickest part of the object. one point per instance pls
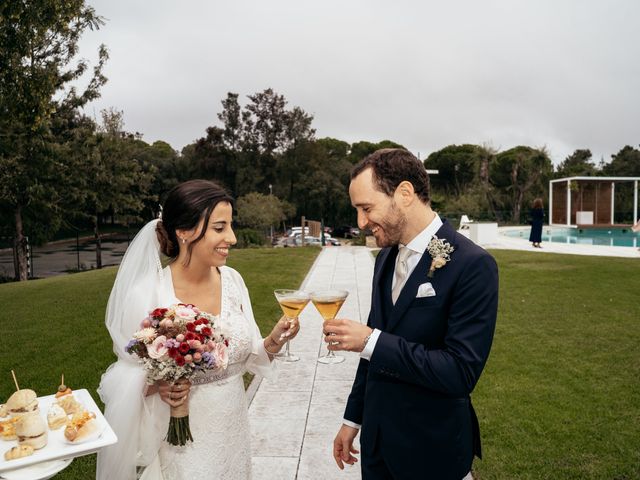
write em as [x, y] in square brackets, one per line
[424, 74]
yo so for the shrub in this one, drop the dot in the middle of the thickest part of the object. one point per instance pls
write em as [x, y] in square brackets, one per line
[248, 237]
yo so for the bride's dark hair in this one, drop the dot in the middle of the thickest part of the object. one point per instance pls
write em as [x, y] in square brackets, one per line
[186, 204]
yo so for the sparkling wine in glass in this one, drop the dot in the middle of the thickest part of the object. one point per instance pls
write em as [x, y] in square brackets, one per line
[292, 302]
[328, 303]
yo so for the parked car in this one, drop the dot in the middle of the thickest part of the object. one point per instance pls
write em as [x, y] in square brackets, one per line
[346, 232]
[328, 240]
[296, 241]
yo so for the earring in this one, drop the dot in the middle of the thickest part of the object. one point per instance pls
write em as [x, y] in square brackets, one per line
[184, 240]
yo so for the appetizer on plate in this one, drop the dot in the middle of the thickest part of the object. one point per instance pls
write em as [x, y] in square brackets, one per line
[56, 416]
[22, 401]
[81, 425]
[8, 429]
[63, 389]
[31, 430]
[18, 452]
[69, 404]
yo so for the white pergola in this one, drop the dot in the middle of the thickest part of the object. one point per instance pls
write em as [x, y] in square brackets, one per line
[586, 217]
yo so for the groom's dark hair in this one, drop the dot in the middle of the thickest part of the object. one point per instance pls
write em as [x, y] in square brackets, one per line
[391, 167]
[186, 204]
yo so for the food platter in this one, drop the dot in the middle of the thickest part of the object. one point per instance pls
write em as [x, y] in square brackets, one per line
[58, 447]
[39, 471]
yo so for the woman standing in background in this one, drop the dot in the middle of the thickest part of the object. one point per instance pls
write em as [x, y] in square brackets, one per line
[537, 218]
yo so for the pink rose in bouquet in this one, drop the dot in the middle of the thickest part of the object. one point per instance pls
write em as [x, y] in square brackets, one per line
[178, 342]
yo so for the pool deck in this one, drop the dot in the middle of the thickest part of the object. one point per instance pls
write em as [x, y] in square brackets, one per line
[513, 243]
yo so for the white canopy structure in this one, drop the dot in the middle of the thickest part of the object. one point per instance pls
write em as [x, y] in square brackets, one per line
[584, 201]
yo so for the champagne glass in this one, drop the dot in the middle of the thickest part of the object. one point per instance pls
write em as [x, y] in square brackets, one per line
[292, 302]
[328, 302]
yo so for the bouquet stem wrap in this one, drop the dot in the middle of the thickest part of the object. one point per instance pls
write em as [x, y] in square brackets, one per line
[179, 432]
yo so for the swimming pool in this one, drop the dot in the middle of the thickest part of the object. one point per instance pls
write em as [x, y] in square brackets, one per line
[614, 237]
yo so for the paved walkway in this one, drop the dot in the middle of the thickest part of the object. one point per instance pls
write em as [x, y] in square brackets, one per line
[295, 418]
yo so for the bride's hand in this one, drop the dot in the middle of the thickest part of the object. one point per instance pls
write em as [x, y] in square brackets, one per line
[285, 330]
[174, 394]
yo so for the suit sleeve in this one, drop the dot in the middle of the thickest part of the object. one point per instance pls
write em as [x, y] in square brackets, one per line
[355, 402]
[455, 369]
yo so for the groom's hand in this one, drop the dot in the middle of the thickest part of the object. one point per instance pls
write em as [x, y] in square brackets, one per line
[343, 446]
[347, 335]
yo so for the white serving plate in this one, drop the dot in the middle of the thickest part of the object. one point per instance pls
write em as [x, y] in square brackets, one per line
[58, 447]
[39, 471]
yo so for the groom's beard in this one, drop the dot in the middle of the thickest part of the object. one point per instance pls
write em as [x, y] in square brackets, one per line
[393, 225]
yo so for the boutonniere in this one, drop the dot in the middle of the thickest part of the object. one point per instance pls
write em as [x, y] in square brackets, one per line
[439, 249]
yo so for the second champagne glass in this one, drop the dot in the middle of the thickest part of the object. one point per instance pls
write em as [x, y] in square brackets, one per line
[292, 302]
[328, 302]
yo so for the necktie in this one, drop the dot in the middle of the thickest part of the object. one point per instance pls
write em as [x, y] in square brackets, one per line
[400, 274]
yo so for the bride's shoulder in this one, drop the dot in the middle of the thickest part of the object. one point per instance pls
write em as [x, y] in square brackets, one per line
[233, 274]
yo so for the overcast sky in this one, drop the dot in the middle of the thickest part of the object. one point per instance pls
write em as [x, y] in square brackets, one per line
[564, 74]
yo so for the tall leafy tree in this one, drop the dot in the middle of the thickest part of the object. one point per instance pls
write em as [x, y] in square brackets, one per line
[119, 182]
[458, 167]
[361, 149]
[259, 211]
[39, 43]
[577, 164]
[462, 184]
[244, 153]
[520, 174]
[625, 163]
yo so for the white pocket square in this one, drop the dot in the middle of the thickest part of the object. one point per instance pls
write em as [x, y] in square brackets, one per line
[426, 290]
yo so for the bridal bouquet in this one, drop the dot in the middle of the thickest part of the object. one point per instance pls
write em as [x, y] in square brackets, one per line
[177, 342]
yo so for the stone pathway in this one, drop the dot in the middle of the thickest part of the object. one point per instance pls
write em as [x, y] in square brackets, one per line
[295, 417]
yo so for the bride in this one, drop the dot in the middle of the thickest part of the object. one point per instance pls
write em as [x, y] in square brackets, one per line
[195, 234]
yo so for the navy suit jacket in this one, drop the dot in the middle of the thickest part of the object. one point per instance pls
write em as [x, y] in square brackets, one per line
[412, 397]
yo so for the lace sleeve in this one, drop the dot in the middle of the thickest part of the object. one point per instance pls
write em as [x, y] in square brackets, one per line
[258, 362]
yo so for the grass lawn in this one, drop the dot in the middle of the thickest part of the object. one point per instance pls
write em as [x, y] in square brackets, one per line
[56, 325]
[560, 396]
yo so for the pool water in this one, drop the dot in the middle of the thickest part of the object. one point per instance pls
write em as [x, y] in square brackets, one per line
[614, 237]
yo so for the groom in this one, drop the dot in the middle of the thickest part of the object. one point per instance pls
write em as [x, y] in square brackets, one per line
[428, 336]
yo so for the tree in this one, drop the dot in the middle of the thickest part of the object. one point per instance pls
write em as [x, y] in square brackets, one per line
[245, 152]
[259, 211]
[625, 163]
[458, 167]
[462, 184]
[39, 44]
[520, 174]
[321, 189]
[119, 185]
[361, 149]
[578, 164]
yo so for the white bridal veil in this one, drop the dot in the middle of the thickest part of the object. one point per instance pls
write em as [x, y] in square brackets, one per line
[139, 423]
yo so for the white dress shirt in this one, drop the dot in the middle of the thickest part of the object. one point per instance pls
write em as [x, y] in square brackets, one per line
[417, 246]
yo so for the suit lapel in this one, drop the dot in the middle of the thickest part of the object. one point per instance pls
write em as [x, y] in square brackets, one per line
[408, 292]
[387, 257]
[418, 277]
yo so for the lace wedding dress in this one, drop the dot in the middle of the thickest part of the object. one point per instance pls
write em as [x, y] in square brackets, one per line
[217, 408]
[217, 403]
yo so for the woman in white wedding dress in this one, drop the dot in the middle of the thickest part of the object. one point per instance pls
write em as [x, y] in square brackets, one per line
[195, 234]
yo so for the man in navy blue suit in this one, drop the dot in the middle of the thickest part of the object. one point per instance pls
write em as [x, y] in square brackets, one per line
[428, 335]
